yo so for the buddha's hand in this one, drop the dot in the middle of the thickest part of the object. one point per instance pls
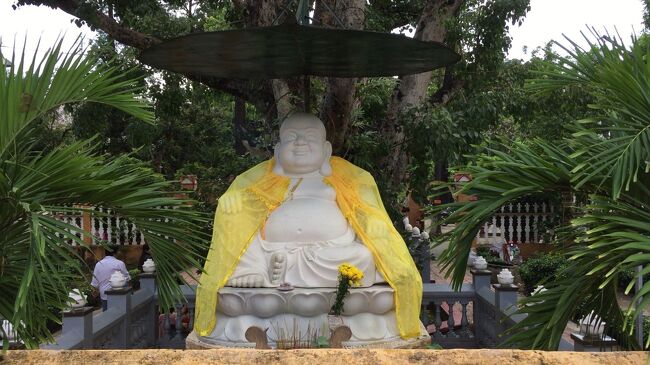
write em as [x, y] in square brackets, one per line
[377, 228]
[232, 203]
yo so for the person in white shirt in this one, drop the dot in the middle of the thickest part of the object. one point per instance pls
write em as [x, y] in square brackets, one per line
[103, 271]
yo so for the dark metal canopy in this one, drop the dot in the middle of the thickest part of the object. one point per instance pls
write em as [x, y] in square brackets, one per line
[290, 50]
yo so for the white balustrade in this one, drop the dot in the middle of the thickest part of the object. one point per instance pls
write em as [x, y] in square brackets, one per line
[517, 223]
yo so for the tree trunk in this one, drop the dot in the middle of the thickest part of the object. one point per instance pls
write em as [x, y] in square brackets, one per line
[411, 90]
[336, 107]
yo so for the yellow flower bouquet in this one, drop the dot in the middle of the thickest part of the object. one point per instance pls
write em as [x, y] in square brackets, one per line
[349, 276]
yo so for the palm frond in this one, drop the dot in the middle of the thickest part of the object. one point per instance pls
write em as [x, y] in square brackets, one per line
[28, 90]
[614, 143]
[38, 267]
[523, 171]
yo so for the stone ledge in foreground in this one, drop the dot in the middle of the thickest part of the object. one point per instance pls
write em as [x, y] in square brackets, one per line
[321, 356]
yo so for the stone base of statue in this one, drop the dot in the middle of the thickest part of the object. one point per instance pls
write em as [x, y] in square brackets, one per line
[300, 315]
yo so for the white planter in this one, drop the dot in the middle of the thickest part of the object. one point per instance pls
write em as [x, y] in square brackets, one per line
[505, 277]
[149, 266]
[480, 263]
[592, 326]
[117, 280]
[77, 299]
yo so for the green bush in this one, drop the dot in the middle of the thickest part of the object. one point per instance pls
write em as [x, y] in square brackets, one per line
[538, 269]
[624, 278]
[490, 256]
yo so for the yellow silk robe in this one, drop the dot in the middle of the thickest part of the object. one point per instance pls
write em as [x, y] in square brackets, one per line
[261, 191]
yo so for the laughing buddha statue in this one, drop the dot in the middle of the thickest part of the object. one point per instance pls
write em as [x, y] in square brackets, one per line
[290, 222]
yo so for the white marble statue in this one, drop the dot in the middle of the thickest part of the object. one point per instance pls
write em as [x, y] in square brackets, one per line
[307, 237]
[294, 220]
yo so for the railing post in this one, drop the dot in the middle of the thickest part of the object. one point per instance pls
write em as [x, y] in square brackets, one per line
[120, 300]
[148, 282]
[505, 295]
[481, 278]
[81, 321]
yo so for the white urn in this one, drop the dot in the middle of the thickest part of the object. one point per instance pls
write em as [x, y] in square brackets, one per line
[149, 266]
[117, 280]
[480, 263]
[77, 299]
[592, 326]
[505, 277]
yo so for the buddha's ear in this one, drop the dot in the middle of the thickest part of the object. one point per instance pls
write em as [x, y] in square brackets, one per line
[277, 169]
[326, 168]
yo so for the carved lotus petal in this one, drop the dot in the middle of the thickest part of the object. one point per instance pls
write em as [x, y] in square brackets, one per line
[265, 305]
[309, 305]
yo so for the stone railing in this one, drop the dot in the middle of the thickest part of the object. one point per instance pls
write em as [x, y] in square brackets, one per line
[476, 316]
[131, 321]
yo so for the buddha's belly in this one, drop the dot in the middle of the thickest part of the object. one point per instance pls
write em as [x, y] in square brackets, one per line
[305, 220]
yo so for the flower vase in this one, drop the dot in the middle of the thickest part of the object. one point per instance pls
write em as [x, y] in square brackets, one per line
[334, 321]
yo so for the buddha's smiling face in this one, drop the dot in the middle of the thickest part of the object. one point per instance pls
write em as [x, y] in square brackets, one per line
[303, 147]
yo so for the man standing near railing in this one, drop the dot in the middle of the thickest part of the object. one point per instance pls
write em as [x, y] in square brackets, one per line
[103, 271]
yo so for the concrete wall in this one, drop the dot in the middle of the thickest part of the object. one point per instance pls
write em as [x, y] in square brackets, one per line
[301, 357]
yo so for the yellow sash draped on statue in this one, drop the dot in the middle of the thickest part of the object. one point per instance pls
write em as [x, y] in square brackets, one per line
[261, 191]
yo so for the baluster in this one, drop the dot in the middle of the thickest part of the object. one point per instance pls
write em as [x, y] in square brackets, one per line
[179, 322]
[437, 320]
[464, 329]
[191, 314]
[510, 223]
[494, 228]
[116, 237]
[519, 219]
[109, 233]
[114, 232]
[79, 224]
[104, 224]
[535, 225]
[527, 224]
[94, 223]
[451, 321]
[166, 324]
[134, 234]
[544, 216]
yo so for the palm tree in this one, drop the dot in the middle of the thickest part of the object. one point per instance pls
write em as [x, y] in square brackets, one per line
[37, 267]
[606, 161]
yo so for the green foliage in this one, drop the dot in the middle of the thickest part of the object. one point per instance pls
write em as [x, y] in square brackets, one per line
[604, 164]
[37, 264]
[322, 342]
[538, 270]
[490, 256]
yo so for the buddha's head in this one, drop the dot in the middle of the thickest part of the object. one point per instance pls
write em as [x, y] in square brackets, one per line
[303, 148]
